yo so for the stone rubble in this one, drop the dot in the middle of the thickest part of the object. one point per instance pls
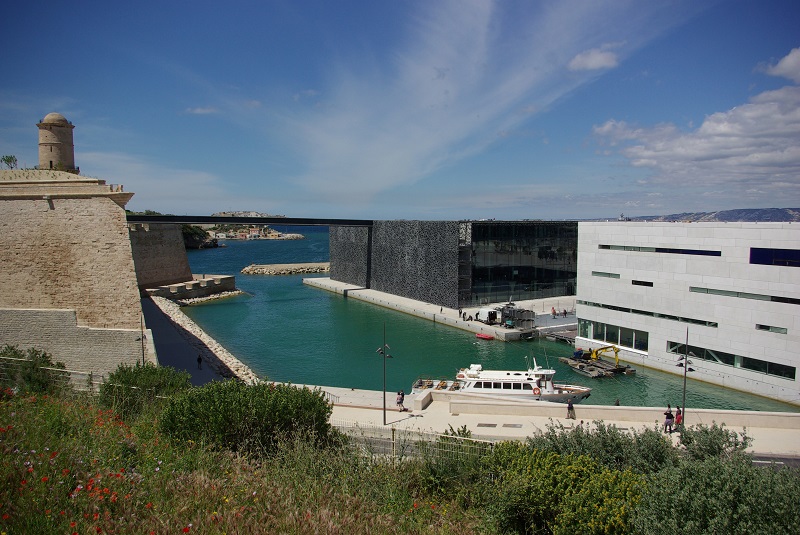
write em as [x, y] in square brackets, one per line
[286, 269]
[219, 358]
[212, 297]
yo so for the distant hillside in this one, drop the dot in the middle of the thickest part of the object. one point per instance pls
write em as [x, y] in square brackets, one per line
[244, 214]
[745, 214]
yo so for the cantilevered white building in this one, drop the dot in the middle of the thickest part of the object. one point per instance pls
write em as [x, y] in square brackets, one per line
[732, 288]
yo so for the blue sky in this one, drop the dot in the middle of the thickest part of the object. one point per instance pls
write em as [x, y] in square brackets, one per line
[416, 109]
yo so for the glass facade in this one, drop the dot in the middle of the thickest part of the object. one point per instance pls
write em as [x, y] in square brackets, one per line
[613, 334]
[517, 261]
[737, 361]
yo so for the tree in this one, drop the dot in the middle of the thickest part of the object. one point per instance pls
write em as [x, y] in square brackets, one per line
[9, 161]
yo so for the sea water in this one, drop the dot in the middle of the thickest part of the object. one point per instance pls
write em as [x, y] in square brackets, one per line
[290, 332]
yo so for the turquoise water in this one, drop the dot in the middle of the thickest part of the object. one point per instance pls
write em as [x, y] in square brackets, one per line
[288, 331]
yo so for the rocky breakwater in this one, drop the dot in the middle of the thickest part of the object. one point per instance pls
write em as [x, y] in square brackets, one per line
[287, 269]
[216, 356]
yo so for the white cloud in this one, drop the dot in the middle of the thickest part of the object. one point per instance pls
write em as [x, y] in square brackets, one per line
[202, 111]
[594, 59]
[750, 152]
[787, 67]
[160, 188]
[455, 86]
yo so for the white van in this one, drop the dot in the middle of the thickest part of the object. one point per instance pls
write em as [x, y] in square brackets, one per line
[489, 316]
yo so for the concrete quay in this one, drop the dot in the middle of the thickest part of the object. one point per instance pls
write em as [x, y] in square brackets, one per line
[774, 434]
[545, 322]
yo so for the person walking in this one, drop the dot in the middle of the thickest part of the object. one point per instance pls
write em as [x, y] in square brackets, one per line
[668, 420]
[553, 312]
[570, 409]
[401, 396]
[199, 362]
[678, 419]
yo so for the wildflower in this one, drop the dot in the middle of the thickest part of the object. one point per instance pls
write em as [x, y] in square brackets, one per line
[44, 479]
[149, 505]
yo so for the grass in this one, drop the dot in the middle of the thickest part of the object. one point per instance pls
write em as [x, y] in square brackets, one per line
[69, 466]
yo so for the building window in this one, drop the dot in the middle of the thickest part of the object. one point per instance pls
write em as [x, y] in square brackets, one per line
[604, 274]
[736, 361]
[667, 250]
[612, 334]
[770, 328]
[775, 257]
[642, 283]
[694, 321]
[746, 295]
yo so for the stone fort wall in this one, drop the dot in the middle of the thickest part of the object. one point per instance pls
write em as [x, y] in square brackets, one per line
[68, 253]
[67, 280]
[159, 255]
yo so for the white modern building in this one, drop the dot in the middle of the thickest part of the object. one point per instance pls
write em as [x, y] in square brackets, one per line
[731, 289]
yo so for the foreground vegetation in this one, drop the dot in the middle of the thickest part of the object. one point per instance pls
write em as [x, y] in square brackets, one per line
[164, 457]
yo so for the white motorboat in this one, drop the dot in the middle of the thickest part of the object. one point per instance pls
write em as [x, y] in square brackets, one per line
[534, 384]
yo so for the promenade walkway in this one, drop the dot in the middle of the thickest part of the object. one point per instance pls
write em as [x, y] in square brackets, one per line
[774, 434]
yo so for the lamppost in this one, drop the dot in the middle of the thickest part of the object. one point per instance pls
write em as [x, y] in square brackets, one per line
[684, 363]
[383, 351]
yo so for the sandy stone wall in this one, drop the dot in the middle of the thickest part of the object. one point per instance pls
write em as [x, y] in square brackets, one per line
[69, 253]
[159, 255]
[85, 349]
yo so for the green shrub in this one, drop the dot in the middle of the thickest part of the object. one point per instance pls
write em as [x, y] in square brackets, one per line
[704, 442]
[534, 491]
[130, 389]
[719, 495]
[32, 375]
[453, 463]
[248, 418]
[643, 451]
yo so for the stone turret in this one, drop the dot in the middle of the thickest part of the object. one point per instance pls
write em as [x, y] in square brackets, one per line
[56, 150]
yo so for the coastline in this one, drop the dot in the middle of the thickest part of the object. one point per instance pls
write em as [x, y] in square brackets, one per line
[212, 352]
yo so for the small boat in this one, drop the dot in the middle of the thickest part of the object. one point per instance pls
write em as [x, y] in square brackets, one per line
[535, 384]
[590, 363]
[483, 336]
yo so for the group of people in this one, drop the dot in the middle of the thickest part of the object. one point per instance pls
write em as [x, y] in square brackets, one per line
[673, 422]
[555, 312]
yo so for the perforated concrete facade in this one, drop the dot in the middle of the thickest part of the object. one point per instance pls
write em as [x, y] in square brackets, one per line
[414, 259]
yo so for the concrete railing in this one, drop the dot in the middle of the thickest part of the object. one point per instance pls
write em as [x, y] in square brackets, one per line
[655, 415]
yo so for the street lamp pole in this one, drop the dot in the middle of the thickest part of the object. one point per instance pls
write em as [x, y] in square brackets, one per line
[382, 350]
[686, 369]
